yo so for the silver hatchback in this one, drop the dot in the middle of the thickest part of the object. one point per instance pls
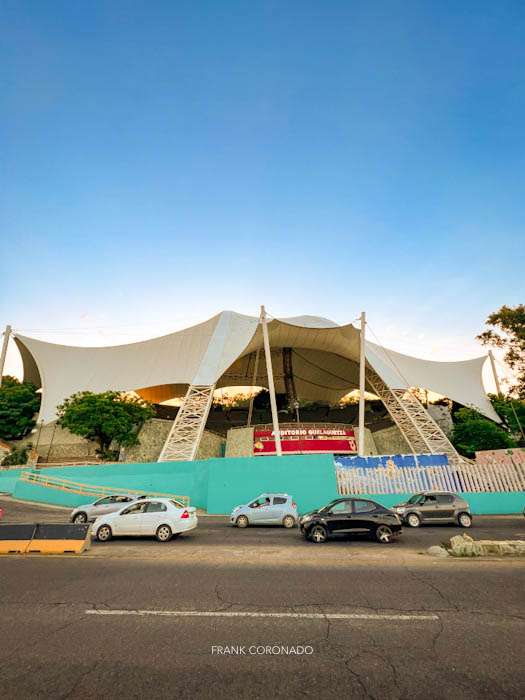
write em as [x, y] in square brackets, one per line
[266, 509]
[109, 504]
[434, 507]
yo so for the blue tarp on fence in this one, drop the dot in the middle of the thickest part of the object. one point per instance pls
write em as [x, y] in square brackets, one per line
[398, 460]
[396, 471]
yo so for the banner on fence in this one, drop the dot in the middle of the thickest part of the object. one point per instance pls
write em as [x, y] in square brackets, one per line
[396, 473]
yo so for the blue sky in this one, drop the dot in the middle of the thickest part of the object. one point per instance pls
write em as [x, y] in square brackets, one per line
[162, 161]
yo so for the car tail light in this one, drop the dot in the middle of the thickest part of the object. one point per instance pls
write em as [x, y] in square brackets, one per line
[185, 515]
[294, 506]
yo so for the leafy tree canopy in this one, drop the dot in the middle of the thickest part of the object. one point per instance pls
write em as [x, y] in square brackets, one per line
[511, 412]
[509, 335]
[473, 432]
[18, 404]
[105, 417]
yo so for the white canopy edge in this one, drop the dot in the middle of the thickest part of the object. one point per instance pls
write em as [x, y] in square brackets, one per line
[201, 354]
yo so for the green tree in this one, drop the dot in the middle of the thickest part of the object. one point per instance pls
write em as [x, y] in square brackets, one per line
[473, 432]
[105, 417]
[18, 404]
[509, 336]
[511, 412]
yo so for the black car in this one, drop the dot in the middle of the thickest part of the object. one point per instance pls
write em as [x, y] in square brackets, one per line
[344, 515]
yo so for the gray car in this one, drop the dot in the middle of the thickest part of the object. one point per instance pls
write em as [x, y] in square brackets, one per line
[108, 504]
[434, 507]
[266, 509]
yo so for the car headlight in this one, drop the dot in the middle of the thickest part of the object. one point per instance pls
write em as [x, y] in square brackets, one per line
[236, 509]
[400, 510]
[306, 518]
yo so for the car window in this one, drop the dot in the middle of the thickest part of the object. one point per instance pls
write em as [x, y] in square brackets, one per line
[342, 507]
[259, 502]
[177, 504]
[364, 506]
[278, 500]
[415, 498]
[445, 499]
[155, 507]
[122, 499]
[135, 508]
[103, 501]
[429, 500]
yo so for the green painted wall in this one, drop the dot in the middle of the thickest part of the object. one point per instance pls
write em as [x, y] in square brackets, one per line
[219, 485]
[180, 478]
[8, 479]
[310, 479]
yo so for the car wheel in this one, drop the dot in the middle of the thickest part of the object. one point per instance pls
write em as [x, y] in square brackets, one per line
[80, 518]
[318, 534]
[384, 534]
[242, 521]
[163, 533]
[104, 533]
[465, 520]
[288, 521]
[413, 520]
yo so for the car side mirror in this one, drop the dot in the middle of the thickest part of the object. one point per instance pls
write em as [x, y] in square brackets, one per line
[329, 512]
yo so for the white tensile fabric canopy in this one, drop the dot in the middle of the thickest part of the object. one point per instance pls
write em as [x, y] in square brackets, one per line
[222, 351]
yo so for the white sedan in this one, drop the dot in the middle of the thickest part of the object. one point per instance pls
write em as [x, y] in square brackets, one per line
[163, 517]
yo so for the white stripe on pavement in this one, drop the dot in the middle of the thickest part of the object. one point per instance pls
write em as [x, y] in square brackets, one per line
[307, 616]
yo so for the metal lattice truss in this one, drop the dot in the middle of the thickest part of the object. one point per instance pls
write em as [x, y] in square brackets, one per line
[185, 435]
[419, 429]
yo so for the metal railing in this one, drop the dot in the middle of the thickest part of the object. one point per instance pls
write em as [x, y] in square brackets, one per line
[92, 490]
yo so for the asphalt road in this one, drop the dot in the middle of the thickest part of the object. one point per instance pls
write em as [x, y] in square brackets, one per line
[216, 531]
[212, 615]
[106, 628]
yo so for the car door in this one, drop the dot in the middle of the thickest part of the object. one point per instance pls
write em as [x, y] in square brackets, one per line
[103, 506]
[339, 516]
[429, 507]
[445, 507]
[277, 509]
[154, 514]
[365, 515]
[259, 512]
[128, 522]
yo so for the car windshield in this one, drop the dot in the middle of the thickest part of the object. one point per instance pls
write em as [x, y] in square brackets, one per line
[415, 498]
[329, 505]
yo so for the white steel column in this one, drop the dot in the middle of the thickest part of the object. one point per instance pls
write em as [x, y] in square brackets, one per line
[271, 386]
[255, 370]
[7, 335]
[496, 379]
[362, 361]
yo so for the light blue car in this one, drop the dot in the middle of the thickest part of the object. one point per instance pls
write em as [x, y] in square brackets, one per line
[266, 509]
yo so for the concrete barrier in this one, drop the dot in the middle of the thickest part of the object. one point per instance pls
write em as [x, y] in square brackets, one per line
[49, 538]
[14, 539]
[60, 538]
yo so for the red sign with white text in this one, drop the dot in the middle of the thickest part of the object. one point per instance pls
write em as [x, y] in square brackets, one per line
[303, 441]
